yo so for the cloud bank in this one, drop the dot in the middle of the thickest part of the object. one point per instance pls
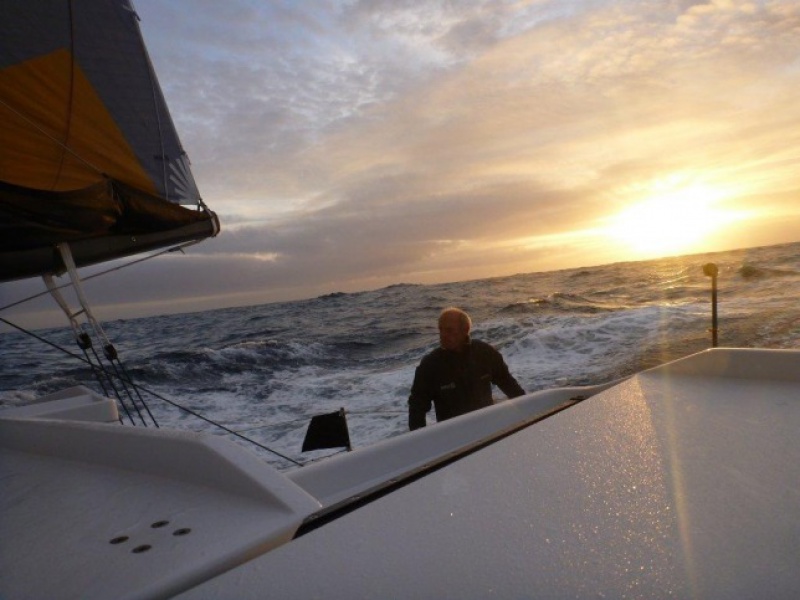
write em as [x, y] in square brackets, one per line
[354, 144]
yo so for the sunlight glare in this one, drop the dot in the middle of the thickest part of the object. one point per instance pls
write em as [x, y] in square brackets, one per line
[672, 222]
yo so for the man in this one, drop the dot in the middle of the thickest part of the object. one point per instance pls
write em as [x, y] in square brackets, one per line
[457, 377]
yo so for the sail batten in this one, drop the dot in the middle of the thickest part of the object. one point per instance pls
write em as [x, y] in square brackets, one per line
[84, 127]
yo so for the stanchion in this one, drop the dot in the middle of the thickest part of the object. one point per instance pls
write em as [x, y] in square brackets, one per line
[711, 270]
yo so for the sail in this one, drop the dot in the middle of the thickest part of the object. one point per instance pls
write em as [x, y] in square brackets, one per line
[89, 154]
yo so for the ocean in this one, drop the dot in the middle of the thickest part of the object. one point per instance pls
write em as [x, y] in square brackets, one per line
[263, 371]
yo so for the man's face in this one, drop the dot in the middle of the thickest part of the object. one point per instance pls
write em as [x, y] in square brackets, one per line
[452, 333]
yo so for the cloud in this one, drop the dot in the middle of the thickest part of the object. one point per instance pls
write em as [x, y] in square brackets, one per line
[362, 143]
[395, 130]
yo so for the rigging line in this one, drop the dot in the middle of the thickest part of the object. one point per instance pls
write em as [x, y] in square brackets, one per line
[50, 136]
[84, 343]
[178, 248]
[98, 375]
[119, 371]
[82, 338]
[41, 339]
[377, 412]
[280, 424]
[110, 380]
[70, 96]
[127, 390]
[211, 422]
[138, 394]
[77, 287]
[152, 393]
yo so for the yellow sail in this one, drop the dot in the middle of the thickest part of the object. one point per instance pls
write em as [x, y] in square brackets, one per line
[88, 151]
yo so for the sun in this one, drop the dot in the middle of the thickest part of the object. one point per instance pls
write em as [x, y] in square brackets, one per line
[669, 222]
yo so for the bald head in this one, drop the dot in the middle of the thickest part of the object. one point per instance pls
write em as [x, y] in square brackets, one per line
[454, 327]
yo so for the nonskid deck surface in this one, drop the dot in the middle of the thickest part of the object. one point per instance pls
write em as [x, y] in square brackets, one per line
[103, 511]
[680, 482]
[159, 511]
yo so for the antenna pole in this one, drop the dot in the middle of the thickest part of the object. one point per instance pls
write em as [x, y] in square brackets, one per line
[711, 270]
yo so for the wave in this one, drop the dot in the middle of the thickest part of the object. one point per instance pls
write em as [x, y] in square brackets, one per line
[559, 302]
[527, 306]
[752, 272]
[581, 274]
[571, 349]
[332, 296]
[207, 365]
[396, 286]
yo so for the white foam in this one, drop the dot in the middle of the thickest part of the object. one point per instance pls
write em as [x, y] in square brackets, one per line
[554, 350]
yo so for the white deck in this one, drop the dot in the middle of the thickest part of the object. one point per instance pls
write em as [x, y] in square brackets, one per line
[189, 506]
[95, 510]
[680, 482]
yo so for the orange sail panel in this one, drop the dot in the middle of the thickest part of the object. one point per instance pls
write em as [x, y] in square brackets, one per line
[67, 139]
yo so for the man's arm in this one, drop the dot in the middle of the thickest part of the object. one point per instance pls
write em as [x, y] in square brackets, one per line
[419, 402]
[503, 379]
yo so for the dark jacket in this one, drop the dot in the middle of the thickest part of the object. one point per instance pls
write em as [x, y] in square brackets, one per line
[458, 382]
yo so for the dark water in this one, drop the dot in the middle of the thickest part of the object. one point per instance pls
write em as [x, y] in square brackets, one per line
[265, 369]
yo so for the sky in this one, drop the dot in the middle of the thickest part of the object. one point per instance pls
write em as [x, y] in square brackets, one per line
[350, 145]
